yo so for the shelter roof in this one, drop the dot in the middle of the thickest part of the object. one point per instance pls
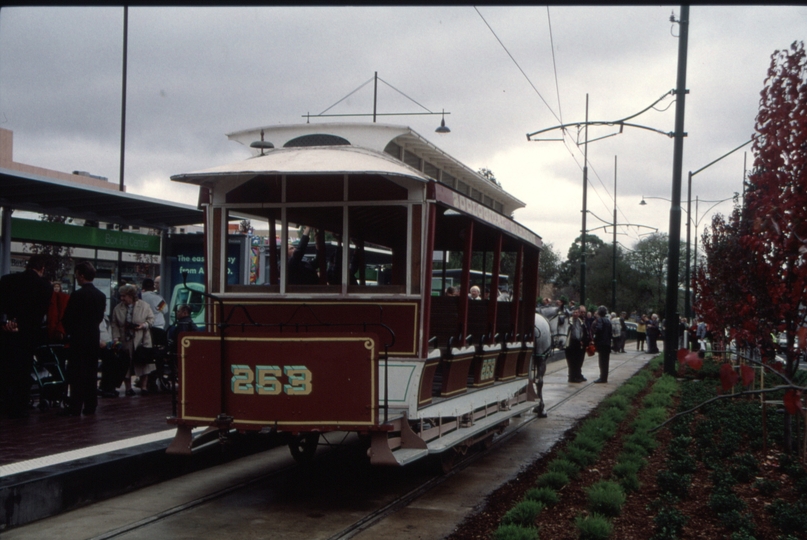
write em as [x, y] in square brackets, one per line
[34, 193]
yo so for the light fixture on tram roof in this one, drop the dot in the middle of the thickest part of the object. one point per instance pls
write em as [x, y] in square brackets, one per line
[263, 145]
[643, 203]
[443, 129]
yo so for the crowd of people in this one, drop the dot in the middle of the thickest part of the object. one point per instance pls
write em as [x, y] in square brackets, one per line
[130, 348]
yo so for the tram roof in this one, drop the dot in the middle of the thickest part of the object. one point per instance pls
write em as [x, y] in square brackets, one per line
[306, 161]
[362, 151]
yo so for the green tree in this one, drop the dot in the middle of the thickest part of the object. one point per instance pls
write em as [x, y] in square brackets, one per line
[549, 267]
[569, 272]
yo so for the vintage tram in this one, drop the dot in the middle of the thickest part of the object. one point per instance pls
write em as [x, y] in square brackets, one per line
[353, 332]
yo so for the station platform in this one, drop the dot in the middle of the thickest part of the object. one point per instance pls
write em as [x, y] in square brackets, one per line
[42, 438]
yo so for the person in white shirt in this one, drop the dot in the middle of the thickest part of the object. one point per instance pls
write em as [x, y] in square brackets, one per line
[157, 303]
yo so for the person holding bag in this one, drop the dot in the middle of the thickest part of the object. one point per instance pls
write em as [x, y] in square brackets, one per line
[131, 323]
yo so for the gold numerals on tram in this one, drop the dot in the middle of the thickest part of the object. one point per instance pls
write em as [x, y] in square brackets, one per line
[267, 380]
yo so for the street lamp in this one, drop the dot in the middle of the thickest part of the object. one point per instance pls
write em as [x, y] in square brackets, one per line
[690, 221]
[441, 129]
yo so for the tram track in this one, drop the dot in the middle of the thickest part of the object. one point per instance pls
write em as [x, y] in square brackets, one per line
[371, 518]
[393, 506]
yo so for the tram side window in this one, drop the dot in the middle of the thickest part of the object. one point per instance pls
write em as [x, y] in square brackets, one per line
[314, 249]
[379, 235]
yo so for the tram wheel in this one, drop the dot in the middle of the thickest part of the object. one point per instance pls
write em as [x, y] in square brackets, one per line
[448, 460]
[303, 447]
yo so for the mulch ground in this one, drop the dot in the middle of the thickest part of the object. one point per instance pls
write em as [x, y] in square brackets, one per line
[636, 519]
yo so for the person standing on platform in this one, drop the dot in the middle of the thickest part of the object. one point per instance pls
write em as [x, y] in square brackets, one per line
[641, 332]
[576, 342]
[82, 317]
[602, 341]
[24, 300]
[131, 320]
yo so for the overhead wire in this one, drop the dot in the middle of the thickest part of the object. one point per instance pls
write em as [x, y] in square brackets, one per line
[516, 64]
[557, 116]
[554, 64]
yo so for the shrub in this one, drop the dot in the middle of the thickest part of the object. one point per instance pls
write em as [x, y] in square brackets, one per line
[523, 514]
[679, 446]
[643, 439]
[669, 523]
[606, 498]
[650, 417]
[723, 501]
[767, 487]
[733, 520]
[790, 518]
[544, 495]
[580, 456]
[593, 527]
[657, 399]
[601, 428]
[587, 442]
[683, 465]
[631, 448]
[554, 480]
[626, 467]
[615, 415]
[673, 483]
[630, 482]
[744, 467]
[514, 532]
[617, 402]
[722, 479]
[564, 466]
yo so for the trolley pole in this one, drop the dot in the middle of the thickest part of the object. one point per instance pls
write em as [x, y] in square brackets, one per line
[671, 308]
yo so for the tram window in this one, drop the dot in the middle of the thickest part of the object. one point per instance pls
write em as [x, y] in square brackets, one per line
[379, 234]
[254, 239]
[313, 257]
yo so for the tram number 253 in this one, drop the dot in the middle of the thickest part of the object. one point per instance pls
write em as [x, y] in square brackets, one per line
[266, 380]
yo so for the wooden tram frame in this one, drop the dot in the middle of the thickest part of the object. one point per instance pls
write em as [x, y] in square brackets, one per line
[418, 374]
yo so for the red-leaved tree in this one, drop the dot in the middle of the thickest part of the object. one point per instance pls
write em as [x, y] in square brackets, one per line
[754, 282]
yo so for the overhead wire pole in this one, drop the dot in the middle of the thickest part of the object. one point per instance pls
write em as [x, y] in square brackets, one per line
[621, 123]
[687, 276]
[671, 308]
[585, 208]
[613, 281]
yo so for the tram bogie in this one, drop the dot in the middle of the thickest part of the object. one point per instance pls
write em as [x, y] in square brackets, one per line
[347, 335]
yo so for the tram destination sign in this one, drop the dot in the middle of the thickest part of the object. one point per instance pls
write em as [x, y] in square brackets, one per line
[469, 206]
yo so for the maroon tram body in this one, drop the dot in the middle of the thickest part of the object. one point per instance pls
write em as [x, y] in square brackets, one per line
[366, 341]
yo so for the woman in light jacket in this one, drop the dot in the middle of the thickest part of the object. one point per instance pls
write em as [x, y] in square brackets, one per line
[131, 321]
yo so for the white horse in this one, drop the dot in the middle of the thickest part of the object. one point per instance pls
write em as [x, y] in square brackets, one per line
[542, 348]
[558, 322]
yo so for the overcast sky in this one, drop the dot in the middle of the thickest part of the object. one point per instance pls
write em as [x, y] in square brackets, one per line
[195, 74]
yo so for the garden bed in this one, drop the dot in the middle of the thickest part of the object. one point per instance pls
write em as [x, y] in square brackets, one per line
[730, 481]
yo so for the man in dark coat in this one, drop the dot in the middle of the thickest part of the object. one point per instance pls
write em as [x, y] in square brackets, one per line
[576, 342]
[24, 301]
[602, 341]
[82, 319]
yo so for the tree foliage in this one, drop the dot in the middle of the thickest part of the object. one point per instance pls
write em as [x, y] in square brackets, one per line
[754, 282]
